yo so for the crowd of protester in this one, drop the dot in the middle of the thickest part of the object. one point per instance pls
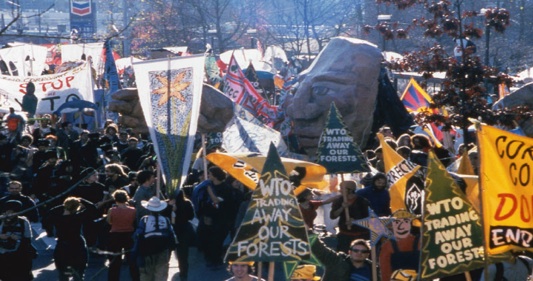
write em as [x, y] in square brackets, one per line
[98, 193]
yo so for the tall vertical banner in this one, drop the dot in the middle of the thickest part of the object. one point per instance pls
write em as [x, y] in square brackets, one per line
[337, 150]
[452, 240]
[170, 92]
[273, 228]
[507, 189]
[111, 75]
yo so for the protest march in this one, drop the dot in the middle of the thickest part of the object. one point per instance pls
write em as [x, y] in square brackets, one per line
[334, 177]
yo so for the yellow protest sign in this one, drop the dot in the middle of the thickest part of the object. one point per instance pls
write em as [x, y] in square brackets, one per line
[507, 189]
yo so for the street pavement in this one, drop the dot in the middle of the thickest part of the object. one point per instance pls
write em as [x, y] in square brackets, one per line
[44, 268]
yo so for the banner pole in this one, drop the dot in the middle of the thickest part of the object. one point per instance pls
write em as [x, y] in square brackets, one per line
[467, 276]
[345, 200]
[481, 213]
[204, 154]
[271, 266]
[259, 270]
[168, 94]
[158, 183]
[373, 255]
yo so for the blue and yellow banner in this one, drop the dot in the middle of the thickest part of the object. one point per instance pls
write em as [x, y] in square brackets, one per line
[170, 91]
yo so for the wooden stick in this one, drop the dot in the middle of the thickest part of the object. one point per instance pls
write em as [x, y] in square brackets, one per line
[373, 256]
[271, 271]
[259, 270]
[346, 209]
[158, 182]
[204, 147]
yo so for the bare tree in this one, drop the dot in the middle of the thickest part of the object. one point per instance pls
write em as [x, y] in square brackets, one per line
[17, 17]
[305, 26]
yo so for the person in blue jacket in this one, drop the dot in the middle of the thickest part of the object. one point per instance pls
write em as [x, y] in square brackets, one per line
[377, 195]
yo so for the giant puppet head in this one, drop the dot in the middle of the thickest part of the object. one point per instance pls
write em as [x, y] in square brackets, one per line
[216, 110]
[345, 72]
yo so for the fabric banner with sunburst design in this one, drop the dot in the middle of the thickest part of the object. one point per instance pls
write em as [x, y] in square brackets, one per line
[170, 91]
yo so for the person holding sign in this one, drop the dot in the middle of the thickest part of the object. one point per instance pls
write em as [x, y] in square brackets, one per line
[377, 194]
[213, 214]
[402, 252]
[242, 271]
[308, 206]
[355, 265]
[357, 209]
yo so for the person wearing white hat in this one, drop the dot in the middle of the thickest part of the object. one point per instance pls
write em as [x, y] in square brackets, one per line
[154, 241]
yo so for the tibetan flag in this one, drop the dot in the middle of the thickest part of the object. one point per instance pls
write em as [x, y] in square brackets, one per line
[414, 98]
[406, 185]
[171, 91]
[506, 179]
[434, 133]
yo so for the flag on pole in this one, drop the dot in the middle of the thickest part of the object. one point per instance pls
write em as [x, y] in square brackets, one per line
[406, 190]
[111, 76]
[414, 98]
[243, 93]
[507, 193]
[171, 91]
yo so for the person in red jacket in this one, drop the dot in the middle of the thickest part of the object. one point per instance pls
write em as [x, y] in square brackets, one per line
[121, 217]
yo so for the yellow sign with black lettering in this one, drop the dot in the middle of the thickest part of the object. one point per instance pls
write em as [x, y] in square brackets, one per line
[506, 175]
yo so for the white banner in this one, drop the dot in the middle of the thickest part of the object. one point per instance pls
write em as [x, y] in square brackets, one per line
[51, 90]
[170, 91]
[28, 59]
[93, 52]
[242, 136]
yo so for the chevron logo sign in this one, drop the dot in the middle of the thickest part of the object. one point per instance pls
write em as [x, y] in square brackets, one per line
[80, 7]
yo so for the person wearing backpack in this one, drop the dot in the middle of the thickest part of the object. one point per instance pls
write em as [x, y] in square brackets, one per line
[517, 269]
[154, 241]
[16, 251]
